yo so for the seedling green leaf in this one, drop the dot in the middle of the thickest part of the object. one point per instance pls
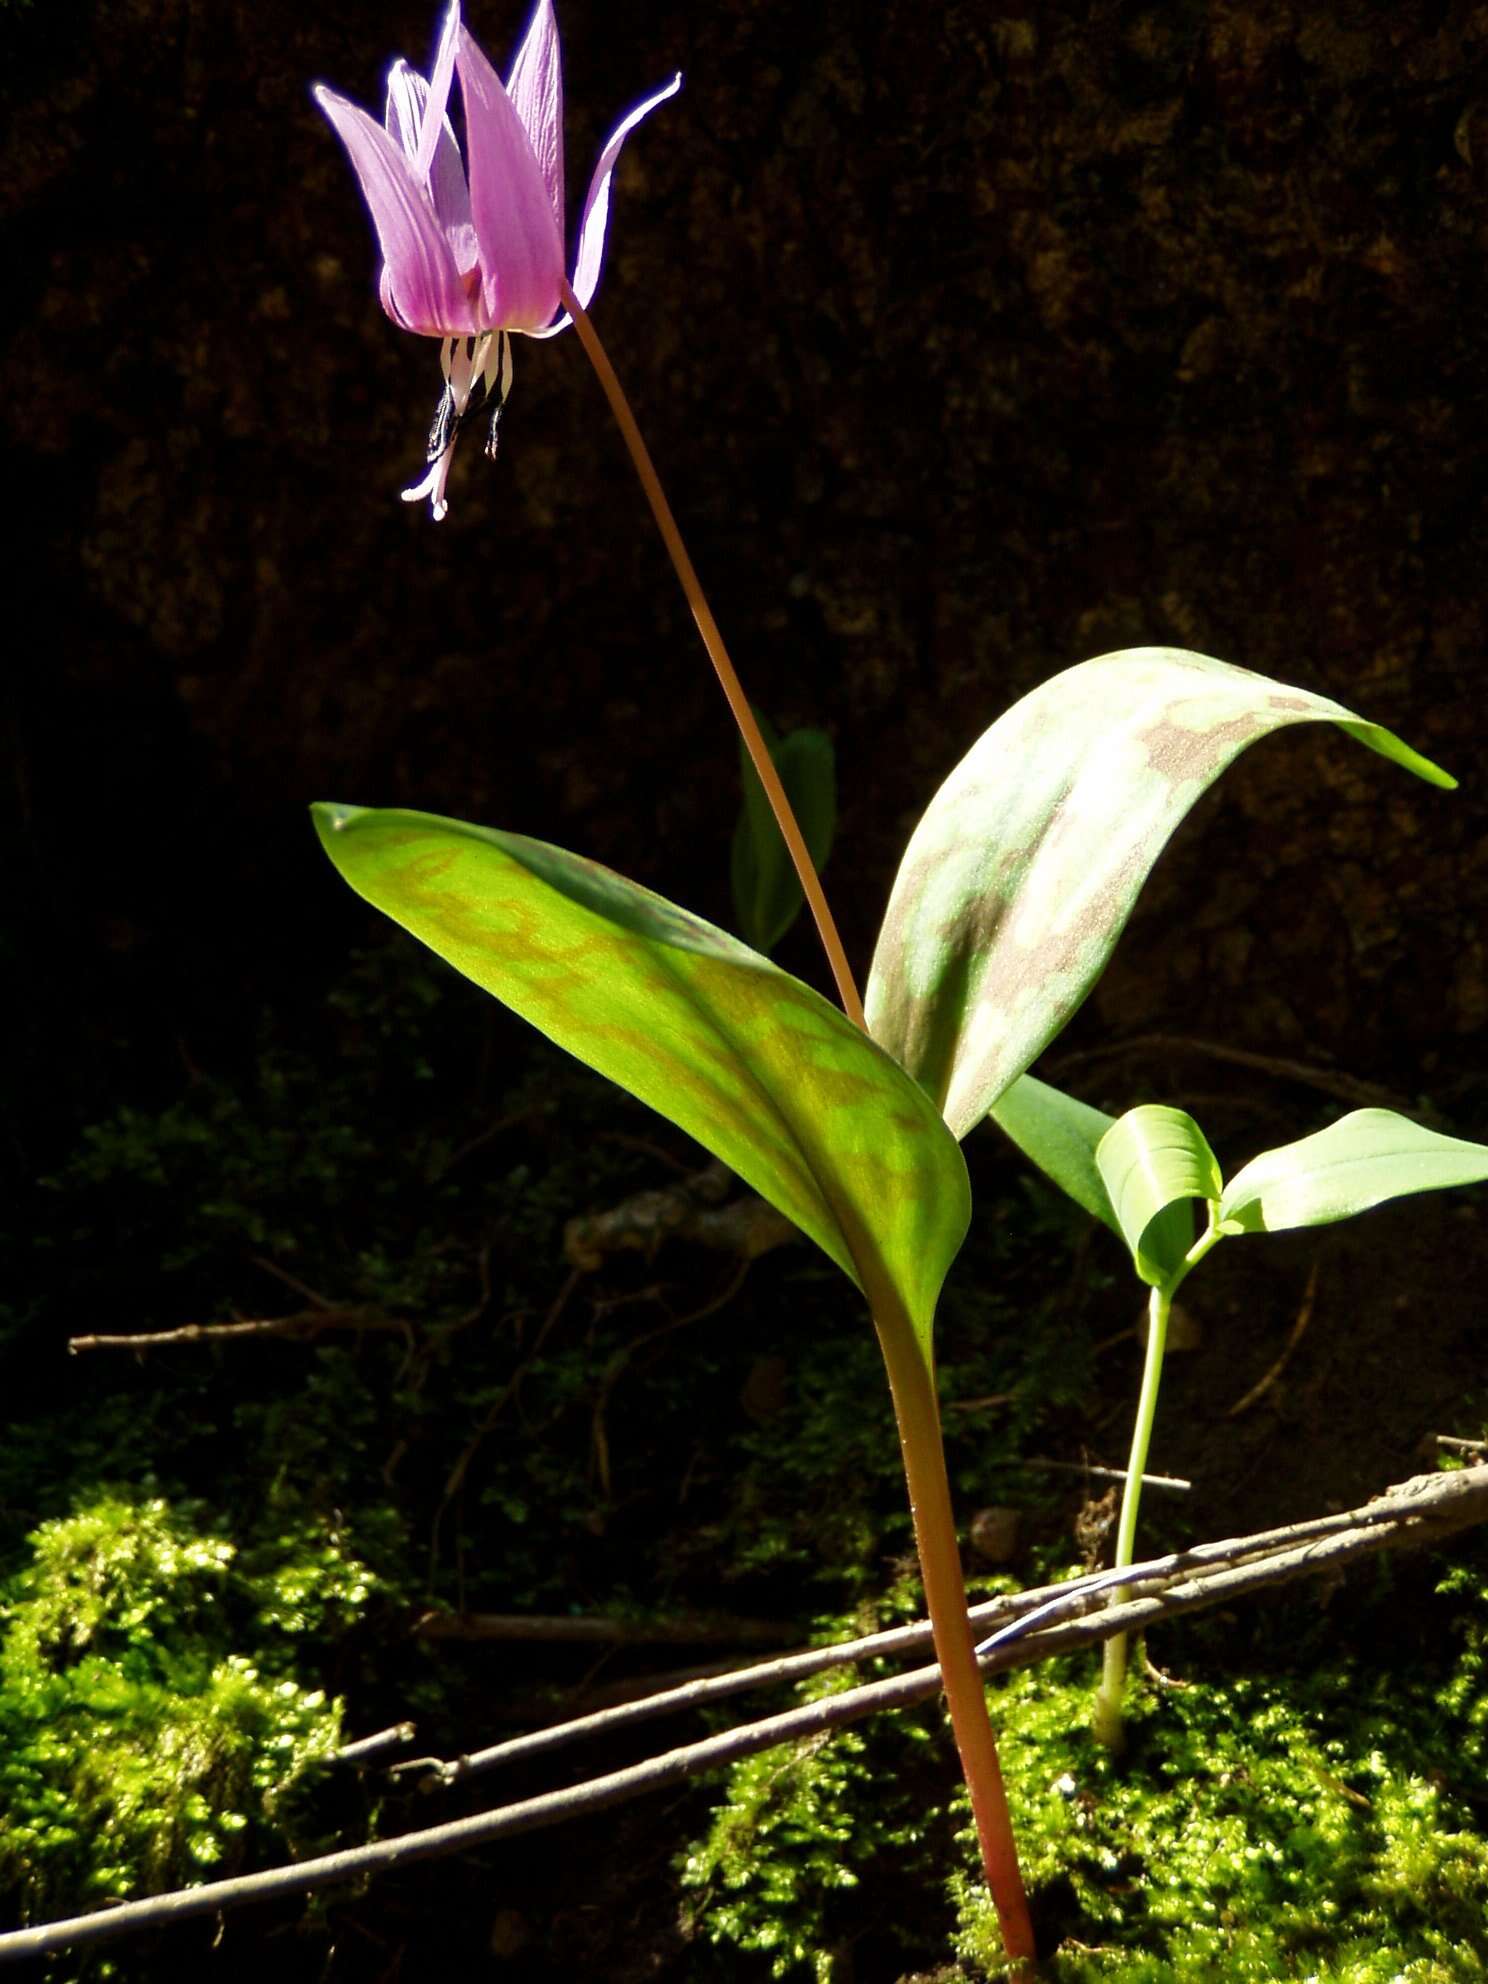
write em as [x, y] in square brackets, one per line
[1021, 876]
[756, 1066]
[1059, 1134]
[1155, 1160]
[1360, 1161]
[767, 894]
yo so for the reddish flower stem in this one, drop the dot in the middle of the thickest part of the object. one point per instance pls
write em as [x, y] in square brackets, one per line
[918, 1414]
[707, 626]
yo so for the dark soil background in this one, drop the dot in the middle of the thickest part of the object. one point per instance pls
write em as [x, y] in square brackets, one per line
[971, 343]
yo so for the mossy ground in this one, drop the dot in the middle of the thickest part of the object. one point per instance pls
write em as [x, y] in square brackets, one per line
[214, 1559]
[1317, 1817]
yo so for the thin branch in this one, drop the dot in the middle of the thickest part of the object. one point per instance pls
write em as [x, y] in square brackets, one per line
[901, 1641]
[1171, 1481]
[1425, 1509]
[367, 1749]
[592, 1628]
[311, 1295]
[305, 1322]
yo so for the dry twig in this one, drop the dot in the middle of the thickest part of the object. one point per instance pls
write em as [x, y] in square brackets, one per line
[305, 1322]
[591, 1629]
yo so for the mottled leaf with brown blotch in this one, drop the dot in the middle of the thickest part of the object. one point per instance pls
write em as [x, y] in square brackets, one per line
[1022, 874]
[760, 1069]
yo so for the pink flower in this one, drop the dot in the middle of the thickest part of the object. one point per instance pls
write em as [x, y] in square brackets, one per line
[472, 247]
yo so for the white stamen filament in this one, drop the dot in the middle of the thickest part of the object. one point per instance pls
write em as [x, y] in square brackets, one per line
[463, 361]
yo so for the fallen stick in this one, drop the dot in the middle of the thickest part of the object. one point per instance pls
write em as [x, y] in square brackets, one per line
[306, 1322]
[1423, 1510]
[590, 1629]
[906, 1640]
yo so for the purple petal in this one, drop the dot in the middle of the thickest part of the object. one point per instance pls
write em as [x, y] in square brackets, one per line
[407, 112]
[535, 87]
[521, 248]
[440, 77]
[421, 287]
[597, 207]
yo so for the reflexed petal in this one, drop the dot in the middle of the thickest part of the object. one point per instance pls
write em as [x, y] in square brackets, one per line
[440, 77]
[421, 287]
[535, 87]
[407, 105]
[521, 248]
[597, 207]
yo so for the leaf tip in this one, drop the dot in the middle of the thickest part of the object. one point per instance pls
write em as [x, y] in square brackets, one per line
[332, 818]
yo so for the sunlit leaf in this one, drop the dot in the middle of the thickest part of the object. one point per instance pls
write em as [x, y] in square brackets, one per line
[1024, 870]
[1152, 1159]
[767, 895]
[1061, 1135]
[1360, 1161]
[756, 1066]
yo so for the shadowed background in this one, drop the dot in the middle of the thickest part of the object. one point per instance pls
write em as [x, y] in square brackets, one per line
[970, 343]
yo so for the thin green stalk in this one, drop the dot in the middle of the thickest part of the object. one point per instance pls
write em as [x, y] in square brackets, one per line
[917, 1411]
[1109, 1728]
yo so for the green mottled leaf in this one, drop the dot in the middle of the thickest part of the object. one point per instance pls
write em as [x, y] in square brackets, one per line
[756, 1066]
[1151, 1159]
[767, 895]
[1061, 1135]
[1360, 1161]
[1023, 872]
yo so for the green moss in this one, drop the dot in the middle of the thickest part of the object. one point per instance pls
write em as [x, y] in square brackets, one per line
[1316, 1821]
[781, 1869]
[138, 1749]
[1309, 1825]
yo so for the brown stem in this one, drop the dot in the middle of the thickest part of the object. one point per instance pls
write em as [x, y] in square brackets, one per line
[918, 1416]
[707, 626]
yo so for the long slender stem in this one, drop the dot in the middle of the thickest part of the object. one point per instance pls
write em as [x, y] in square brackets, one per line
[918, 1413]
[1108, 1699]
[707, 626]
[1108, 1717]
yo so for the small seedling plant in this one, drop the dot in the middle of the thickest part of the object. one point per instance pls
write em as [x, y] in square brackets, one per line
[1143, 1173]
[1011, 895]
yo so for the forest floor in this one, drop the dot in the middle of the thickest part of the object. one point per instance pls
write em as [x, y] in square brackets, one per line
[461, 1407]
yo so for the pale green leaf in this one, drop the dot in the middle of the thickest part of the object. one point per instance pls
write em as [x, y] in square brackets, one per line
[1024, 870]
[1151, 1159]
[756, 1066]
[1360, 1161]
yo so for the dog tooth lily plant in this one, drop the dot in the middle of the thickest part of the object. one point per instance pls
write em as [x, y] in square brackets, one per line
[472, 247]
[1011, 896]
